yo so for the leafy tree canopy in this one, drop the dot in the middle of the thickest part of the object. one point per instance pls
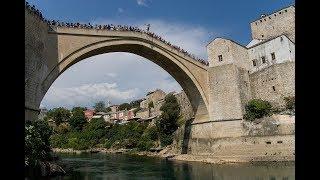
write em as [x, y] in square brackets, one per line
[100, 107]
[59, 115]
[124, 106]
[78, 120]
[108, 109]
[167, 122]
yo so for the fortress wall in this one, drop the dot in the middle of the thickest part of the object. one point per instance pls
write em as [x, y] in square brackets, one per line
[281, 76]
[224, 93]
[232, 53]
[249, 148]
[275, 24]
[219, 46]
[271, 139]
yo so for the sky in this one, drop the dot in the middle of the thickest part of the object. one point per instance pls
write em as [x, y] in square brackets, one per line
[122, 77]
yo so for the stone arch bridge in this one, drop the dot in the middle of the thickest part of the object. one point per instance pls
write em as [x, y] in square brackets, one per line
[49, 51]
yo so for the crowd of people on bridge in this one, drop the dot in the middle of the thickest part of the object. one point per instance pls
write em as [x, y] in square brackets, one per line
[111, 27]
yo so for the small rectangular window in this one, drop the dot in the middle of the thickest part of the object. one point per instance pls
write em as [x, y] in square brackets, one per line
[220, 58]
[254, 62]
[273, 56]
[263, 58]
[268, 142]
[262, 35]
[274, 89]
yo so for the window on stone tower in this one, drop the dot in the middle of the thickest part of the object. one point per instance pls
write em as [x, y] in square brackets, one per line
[262, 35]
[274, 89]
[273, 56]
[220, 58]
[254, 62]
[263, 58]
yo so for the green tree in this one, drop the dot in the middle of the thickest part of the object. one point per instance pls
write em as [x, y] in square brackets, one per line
[150, 105]
[100, 107]
[257, 108]
[59, 115]
[167, 122]
[135, 103]
[108, 109]
[77, 109]
[77, 120]
[37, 142]
[124, 106]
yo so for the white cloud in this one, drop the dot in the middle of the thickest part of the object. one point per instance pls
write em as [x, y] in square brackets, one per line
[87, 95]
[142, 2]
[111, 75]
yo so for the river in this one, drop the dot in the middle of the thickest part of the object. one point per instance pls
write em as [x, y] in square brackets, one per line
[120, 166]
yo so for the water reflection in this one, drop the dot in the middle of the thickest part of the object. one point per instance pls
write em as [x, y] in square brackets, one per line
[115, 166]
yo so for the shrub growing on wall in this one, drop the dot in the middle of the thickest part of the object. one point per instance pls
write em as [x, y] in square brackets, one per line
[257, 108]
[290, 102]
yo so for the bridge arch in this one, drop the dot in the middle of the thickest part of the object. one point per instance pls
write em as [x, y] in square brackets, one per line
[146, 48]
[52, 50]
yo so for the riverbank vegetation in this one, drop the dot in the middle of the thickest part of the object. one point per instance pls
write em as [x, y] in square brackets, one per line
[257, 108]
[76, 133]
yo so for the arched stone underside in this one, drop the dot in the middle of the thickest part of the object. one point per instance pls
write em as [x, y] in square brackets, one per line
[62, 47]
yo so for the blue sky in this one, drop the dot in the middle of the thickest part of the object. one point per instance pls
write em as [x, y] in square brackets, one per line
[189, 24]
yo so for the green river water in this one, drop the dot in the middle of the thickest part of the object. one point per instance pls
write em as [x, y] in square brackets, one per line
[120, 166]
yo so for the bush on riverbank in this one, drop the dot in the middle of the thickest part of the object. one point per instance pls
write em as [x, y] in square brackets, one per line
[80, 135]
[125, 136]
[88, 137]
[257, 108]
[37, 146]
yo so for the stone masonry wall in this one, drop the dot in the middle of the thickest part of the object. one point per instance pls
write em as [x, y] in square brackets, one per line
[281, 76]
[275, 24]
[225, 100]
[270, 138]
[232, 53]
[40, 55]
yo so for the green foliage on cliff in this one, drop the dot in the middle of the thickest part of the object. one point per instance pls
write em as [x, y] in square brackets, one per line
[124, 106]
[135, 103]
[167, 123]
[257, 108]
[150, 105]
[37, 146]
[108, 109]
